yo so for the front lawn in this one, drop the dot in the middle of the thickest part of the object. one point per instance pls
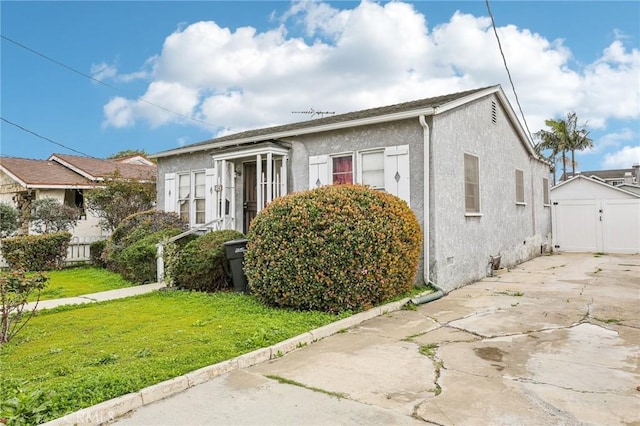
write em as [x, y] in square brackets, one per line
[79, 281]
[86, 354]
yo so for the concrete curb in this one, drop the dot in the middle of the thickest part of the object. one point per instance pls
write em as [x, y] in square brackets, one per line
[107, 411]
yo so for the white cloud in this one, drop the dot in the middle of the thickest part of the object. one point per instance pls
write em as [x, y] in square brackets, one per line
[104, 71]
[622, 159]
[610, 141]
[372, 55]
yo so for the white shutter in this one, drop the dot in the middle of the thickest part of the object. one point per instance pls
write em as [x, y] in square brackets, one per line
[396, 171]
[318, 171]
[170, 191]
[209, 191]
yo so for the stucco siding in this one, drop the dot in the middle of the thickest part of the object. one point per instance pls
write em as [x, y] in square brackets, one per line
[463, 245]
[178, 164]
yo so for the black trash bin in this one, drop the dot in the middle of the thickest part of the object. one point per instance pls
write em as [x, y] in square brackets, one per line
[235, 253]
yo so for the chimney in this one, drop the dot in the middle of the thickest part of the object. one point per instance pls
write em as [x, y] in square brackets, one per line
[636, 173]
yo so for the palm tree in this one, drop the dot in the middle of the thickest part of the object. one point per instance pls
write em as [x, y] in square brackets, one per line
[563, 135]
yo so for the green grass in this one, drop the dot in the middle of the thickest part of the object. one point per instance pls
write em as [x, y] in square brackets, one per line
[81, 280]
[86, 354]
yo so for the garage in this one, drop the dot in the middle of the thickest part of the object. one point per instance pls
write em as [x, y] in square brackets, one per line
[592, 216]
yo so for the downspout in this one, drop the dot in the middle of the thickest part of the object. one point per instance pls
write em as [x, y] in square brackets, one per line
[420, 299]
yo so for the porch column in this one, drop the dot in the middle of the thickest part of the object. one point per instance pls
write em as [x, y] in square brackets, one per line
[283, 175]
[269, 179]
[259, 182]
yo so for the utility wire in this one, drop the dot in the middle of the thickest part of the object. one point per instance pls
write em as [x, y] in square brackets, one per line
[141, 99]
[48, 140]
[495, 31]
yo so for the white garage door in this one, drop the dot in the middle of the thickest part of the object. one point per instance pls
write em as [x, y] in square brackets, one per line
[611, 226]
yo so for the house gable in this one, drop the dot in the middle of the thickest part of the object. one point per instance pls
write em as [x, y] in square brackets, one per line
[582, 187]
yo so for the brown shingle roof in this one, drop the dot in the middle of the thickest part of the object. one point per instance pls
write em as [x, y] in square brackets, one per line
[42, 172]
[98, 169]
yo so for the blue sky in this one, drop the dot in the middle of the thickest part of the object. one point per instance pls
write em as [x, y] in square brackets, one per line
[243, 65]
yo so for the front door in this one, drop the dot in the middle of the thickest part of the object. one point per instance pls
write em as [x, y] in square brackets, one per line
[250, 200]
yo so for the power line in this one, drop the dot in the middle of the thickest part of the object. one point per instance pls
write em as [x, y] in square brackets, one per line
[47, 139]
[504, 59]
[141, 99]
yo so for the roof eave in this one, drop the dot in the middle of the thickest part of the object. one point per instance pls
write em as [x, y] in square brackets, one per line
[298, 132]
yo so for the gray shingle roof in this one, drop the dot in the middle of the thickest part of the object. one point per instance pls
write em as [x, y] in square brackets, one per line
[433, 102]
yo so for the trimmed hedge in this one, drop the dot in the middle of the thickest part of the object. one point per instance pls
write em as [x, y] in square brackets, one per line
[202, 264]
[36, 252]
[333, 248]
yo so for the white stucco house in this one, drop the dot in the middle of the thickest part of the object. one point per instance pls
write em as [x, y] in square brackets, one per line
[66, 178]
[590, 215]
[461, 161]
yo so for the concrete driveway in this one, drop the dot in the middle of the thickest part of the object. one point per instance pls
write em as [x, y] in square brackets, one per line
[554, 341]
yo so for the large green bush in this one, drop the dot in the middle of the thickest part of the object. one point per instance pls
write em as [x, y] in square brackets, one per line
[202, 264]
[137, 262]
[144, 223]
[129, 249]
[36, 252]
[95, 252]
[333, 248]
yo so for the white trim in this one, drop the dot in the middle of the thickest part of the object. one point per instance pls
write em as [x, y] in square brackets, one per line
[519, 203]
[74, 168]
[473, 214]
[250, 153]
[330, 158]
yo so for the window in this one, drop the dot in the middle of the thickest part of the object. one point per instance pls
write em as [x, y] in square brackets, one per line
[471, 184]
[184, 190]
[372, 165]
[198, 197]
[519, 187]
[342, 171]
[545, 191]
[384, 168]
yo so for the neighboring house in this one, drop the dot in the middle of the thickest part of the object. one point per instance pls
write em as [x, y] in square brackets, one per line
[615, 177]
[593, 216]
[65, 178]
[462, 162]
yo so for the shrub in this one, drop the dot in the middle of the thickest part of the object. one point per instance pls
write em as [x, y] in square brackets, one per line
[333, 248]
[144, 223]
[36, 252]
[9, 216]
[95, 252]
[48, 215]
[137, 262]
[15, 290]
[133, 229]
[202, 264]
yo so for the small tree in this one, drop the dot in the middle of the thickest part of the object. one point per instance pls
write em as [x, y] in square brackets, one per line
[8, 220]
[48, 215]
[15, 289]
[120, 198]
[128, 153]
